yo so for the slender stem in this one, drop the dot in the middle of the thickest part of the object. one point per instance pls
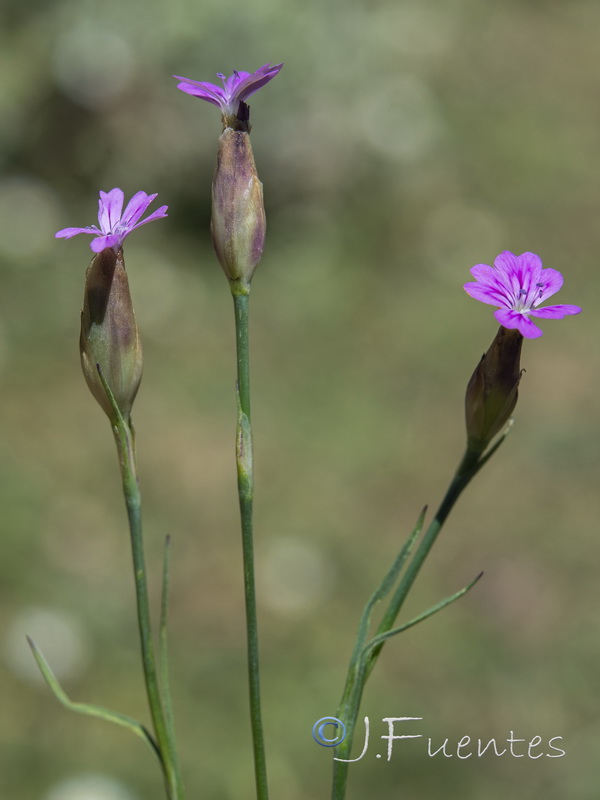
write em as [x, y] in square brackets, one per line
[246, 494]
[125, 446]
[348, 713]
[466, 470]
[163, 656]
[361, 667]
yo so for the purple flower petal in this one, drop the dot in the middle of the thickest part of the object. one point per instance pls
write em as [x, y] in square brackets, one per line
[550, 282]
[520, 274]
[514, 319]
[485, 294]
[232, 82]
[204, 85]
[205, 91]
[251, 83]
[68, 233]
[135, 208]
[526, 264]
[100, 243]
[116, 225]
[158, 214]
[110, 206]
[505, 261]
[555, 312]
[485, 274]
[490, 279]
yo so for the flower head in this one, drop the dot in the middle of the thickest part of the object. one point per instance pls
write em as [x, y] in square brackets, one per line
[236, 89]
[116, 225]
[517, 285]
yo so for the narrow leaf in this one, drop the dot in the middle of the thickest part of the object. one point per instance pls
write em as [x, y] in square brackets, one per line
[388, 581]
[91, 710]
[378, 640]
[486, 456]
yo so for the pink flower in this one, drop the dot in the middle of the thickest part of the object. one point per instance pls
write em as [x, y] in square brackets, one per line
[115, 226]
[235, 90]
[517, 285]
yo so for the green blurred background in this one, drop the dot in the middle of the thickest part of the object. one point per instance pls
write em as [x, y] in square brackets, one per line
[402, 143]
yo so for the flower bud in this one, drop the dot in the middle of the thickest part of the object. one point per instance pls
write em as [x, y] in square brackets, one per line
[238, 220]
[109, 335]
[492, 391]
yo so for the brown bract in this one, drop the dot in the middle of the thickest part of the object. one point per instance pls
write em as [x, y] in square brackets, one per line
[492, 391]
[238, 222]
[109, 335]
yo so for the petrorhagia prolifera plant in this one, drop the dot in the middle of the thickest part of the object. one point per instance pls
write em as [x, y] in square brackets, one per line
[111, 359]
[517, 285]
[238, 226]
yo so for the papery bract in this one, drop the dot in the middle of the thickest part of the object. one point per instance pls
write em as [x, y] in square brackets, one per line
[517, 285]
[238, 221]
[493, 389]
[116, 225]
[109, 337]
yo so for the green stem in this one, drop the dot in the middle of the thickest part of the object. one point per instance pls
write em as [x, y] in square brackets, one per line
[163, 656]
[466, 470]
[246, 494]
[361, 667]
[125, 446]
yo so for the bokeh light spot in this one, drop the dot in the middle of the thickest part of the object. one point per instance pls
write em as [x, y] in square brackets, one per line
[29, 217]
[400, 118]
[58, 635]
[295, 577]
[457, 236]
[92, 66]
[89, 787]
